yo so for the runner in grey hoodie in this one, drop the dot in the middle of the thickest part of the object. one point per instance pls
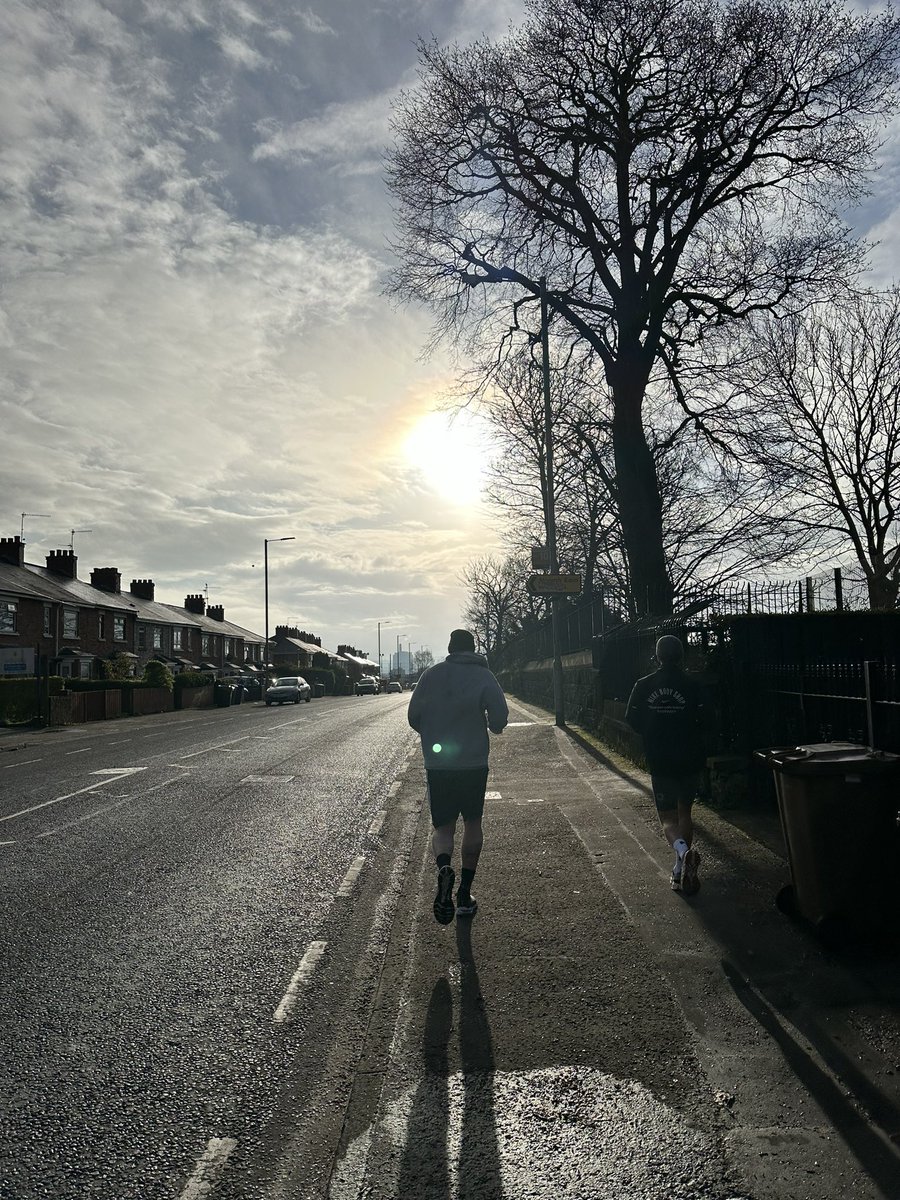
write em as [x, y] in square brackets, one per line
[453, 706]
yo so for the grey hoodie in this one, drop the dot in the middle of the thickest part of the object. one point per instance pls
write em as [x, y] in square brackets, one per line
[452, 707]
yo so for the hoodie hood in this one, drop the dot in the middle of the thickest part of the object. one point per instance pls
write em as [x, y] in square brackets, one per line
[467, 658]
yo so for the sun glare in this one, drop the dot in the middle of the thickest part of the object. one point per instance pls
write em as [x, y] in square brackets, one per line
[451, 451]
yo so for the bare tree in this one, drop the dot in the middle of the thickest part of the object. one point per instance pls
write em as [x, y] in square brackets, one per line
[498, 601]
[827, 386]
[670, 167]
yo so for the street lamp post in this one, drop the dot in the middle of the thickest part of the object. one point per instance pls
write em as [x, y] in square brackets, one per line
[266, 574]
[380, 623]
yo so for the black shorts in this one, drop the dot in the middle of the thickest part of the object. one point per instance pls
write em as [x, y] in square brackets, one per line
[675, 791]
[456, 793]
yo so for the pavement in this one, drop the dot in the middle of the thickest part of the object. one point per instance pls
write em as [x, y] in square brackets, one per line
[592, 1033]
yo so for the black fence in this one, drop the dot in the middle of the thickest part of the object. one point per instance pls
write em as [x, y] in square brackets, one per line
[773, 677]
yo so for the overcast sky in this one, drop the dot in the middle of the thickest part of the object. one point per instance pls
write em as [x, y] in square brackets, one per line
[197, 352]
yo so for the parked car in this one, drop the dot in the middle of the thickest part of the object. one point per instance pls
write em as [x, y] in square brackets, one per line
[367, 685]
[290, 689]
[395, 686]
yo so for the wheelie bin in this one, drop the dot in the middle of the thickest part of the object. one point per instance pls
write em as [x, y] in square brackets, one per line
[318, 689]
[838, 805]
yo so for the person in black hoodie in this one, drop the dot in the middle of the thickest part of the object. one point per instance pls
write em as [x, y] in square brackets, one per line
[454, 704]
[666, 709]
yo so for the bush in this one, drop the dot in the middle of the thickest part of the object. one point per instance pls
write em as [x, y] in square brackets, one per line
[157, 674]
[193, 679]
[18, 699]
[118, 667]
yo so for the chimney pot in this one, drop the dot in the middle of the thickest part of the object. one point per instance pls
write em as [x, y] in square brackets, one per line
[144, 589]
[63, 562]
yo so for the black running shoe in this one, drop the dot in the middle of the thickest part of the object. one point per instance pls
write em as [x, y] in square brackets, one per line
[444, 907]
[466, 906]
[690, 880]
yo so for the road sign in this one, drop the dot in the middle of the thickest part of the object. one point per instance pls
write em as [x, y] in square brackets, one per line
[540, 557]
[554, 585]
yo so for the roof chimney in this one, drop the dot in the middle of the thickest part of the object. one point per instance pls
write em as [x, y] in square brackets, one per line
[286, 631]
[195, 604]
[63, 562]
[216, 611]
[107, 579]
[144, 589]
[12, 551]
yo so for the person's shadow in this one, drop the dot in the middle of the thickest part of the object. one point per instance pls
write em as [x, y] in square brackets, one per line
[425, 1169]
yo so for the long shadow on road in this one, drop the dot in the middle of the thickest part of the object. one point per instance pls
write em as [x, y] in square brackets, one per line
[465, 1099]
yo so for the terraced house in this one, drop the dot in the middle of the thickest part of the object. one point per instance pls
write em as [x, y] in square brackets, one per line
[49, 615]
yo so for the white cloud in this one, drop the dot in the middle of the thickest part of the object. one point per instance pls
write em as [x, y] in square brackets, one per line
[313, 23]
[351, 136]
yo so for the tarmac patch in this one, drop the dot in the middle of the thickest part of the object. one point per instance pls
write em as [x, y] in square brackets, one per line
[559, 1132]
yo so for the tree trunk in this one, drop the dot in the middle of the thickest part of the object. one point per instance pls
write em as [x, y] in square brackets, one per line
[882, 591]
[640, 507]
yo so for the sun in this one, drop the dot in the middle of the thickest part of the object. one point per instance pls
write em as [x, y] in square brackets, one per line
[451, 450]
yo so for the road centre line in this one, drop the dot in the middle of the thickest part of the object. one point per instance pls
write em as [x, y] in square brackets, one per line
[98, 812]
[10, 766]
[211, 749]
[353, 873]
[82, 751]
[34, 808]
[209, 1167]
[311, 959]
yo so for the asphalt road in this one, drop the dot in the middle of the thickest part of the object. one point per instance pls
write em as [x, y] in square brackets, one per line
[190, 912]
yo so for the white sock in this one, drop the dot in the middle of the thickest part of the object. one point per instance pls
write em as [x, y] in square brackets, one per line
[681, 848]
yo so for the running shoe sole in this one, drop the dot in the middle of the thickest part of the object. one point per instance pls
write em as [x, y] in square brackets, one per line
[444, 908]
[690, 883]
[675, 882]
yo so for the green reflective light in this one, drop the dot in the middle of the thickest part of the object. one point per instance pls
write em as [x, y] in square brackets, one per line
[437, 747]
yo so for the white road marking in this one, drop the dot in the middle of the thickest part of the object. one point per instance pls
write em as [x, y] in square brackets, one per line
[34, 808]
[83, 751]
[212, 749]
[267, 779]
[394, 788]
[12, 843]
[492, 796]
[209, 1167]
[119, 772]
[518, 724]
[302, 976]
[22, 764]
[98, 812]
[353, 873]
[123, 742]
[377, 825]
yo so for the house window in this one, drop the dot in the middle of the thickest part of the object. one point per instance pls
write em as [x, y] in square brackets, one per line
[204, 645]
[142, 637]
[101, 626]
[176, 639]
[7, 616]
[119, 629]
[228, 647]
[48, 621]
[157, 637]
[70, 622]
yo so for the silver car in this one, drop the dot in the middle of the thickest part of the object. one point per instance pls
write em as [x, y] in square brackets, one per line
[290, 689]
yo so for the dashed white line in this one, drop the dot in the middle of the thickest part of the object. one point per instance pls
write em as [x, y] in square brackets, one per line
[394, 788]
[302, 975]
[10, 766]
[34, 808]
[377, 825]
[209, 1167]
[353, 873]
[84, 750]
